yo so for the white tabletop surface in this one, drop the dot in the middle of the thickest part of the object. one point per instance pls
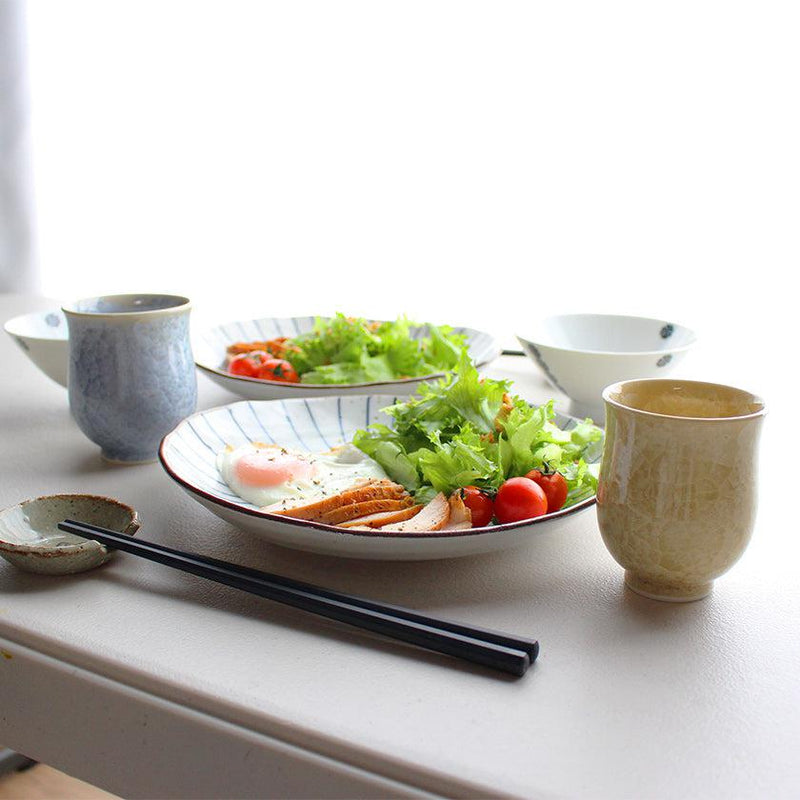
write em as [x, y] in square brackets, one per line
[147, 681]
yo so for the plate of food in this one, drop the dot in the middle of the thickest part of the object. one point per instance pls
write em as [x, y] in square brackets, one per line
[461, 468]
[281, 358]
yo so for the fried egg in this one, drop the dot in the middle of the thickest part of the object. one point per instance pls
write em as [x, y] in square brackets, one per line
[263, 474]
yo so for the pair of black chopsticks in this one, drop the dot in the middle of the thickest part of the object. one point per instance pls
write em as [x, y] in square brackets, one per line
[489, 648]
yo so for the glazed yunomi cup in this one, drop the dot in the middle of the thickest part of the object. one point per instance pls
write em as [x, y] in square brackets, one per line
[131, 374]
[676, 500]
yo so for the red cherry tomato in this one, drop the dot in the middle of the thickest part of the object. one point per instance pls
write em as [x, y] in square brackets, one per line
[276, 369]
[480, 505]
[519, 498]
[248, 364]
[553, 484]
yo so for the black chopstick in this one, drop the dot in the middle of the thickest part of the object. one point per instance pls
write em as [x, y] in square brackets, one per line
[491, 649]
[512, 352]
[530, 646]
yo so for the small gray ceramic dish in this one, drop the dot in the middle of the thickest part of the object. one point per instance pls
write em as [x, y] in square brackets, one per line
[31, 540]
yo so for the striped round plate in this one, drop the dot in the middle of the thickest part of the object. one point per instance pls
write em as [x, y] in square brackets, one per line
[188, 454]
[210, 351]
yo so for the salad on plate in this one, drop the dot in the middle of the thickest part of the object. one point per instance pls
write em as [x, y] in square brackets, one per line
[466, 439]
[349, 350]
[463, 467]
[463, 453]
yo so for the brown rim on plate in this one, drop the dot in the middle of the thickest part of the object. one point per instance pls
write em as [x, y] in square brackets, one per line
[388, 535]
[491, 355]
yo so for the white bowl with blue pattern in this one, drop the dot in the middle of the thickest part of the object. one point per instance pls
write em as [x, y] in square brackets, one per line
[188, 454]
[581, 354]
[43, 337]
[210, 349]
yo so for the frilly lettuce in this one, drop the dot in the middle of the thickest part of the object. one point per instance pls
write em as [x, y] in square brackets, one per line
[353, 350]
[464, 430]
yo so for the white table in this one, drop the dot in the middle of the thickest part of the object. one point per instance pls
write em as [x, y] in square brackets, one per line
[151, 683]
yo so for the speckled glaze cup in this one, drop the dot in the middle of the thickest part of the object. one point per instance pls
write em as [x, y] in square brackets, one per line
[676, 499]
[131, 375]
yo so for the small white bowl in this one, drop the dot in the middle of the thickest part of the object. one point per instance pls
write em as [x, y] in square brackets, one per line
[44, 338]
[31, 540]
[581, 354]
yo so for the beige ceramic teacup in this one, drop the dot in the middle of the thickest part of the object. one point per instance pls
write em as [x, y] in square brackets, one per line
[676, 499]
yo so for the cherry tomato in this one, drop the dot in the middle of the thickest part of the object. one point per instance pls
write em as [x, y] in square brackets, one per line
[553, 484]
[276, 369]
[480, 505]
[248, 364]
[519, 498]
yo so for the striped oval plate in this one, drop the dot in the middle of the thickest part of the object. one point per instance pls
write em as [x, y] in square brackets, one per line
[210, 351]
[188, 454]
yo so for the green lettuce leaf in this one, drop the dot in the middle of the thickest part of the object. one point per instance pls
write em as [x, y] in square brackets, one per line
[461, 461]
[463, 430]
[353, 350]
[382, 445]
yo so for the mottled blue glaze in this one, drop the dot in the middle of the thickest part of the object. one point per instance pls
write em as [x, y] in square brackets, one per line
[131, 373]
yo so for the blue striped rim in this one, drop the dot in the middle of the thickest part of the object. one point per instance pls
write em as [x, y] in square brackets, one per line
[316, 425]
[200, 438]
[219, 333]
[482, 348]
[294, 430]
[192, 466]
[247, 437]
[339, 412]
[260, 423]
[180, 459]
[200, 455]
[213, 430]
[369, 403]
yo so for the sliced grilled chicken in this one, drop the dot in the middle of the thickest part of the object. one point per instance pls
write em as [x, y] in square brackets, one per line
[433, 517]
[355, 510]
[381, 518]
[460, 515]
[358, 493]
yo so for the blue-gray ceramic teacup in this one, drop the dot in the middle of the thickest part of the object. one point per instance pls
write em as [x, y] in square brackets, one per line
[131, 372]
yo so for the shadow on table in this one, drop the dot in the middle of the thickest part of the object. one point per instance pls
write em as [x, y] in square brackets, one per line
[430, 587]
[637, 624]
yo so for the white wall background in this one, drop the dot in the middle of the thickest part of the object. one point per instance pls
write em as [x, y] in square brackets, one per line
[457, 161]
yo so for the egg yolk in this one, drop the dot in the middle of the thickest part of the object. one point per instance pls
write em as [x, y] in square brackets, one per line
[272, 469]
